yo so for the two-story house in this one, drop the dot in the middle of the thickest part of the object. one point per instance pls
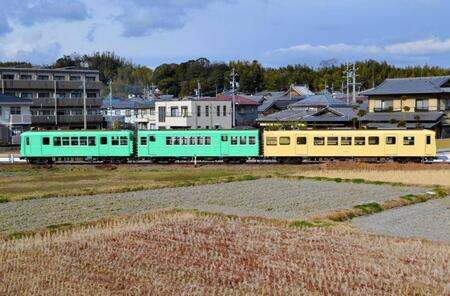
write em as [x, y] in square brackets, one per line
[15, 117]
[129, 113]
[245, 109]
[422, 102]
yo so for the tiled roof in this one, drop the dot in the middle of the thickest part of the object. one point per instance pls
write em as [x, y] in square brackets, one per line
[319, 100]
[14, 99]
[135, 103]
[385, 125]
[281, 104]
[239, 100]
[327, 114]
[410, 86]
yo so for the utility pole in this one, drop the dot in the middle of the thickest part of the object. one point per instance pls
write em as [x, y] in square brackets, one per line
[347, 78]
[354, 83]
[110, 104]
[84, 103]
[233, 107]
[199, 87]
[3, 86]
[56, 104]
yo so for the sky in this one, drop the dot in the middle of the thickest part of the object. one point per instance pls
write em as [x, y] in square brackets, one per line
[274, 32]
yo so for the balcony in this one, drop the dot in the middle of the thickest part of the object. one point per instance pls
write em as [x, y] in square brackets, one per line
[66, 102]
[20, 119]
[49, 85]
[421, 109]
[383, 109]
[65, 119]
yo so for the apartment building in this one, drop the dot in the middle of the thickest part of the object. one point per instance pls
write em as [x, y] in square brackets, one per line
[58, 96]
[15, 117]
[206, 113]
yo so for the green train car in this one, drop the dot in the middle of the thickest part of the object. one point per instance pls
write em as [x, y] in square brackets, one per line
[171, 145]
[50, 146]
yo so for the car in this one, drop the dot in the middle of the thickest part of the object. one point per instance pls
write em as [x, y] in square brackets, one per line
[442, 158]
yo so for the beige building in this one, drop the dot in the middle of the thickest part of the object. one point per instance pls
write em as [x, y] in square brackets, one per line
[193, 114]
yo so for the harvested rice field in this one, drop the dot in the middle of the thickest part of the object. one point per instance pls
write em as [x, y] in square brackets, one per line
[186, 253]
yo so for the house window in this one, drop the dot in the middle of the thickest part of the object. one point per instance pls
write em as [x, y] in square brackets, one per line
[57, 141]
[162, 114]
[90, 78]
[422, 105]
[26, 77]
[241, 110]
[391, 140]
[346, 141]
[173, 111]
[224, 110]
[76, 95]
[43, 95]
[184, 111]
[103, 140]
[271, 141]
[59, 77]
[91, 95]
[408, 141]
[42, 77]
[218, 111]
[301, 140]
[319, 141]
[60, 95]
[8, 76]
[75, 78]
[374, 140]
[384, 105]
[15, 111]
[206, 111]
[45, 141]
[91, 141]
[360, 141]
[243, 140]
[252, 140]
[285, 140]
[26, 95]
[332, 141]
[199, 111]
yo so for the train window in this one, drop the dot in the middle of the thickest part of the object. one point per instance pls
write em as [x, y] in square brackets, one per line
[234, 141]
[408, 141]
[374, 140]
[301, 140]
[144, 141]
[251, 140]
[45, 141]
[123, 140]
[184, 140]
[207, 140]
[285, 140]
[243, 140]
[57, 141]
[152, 139]
[224, 138]
[360, 141]
[115, 141]
[28, 141]
[191, 140]
[319, 141]
[176, 141]
[332, 141]
[74, 141]
[346, 141]
[199, 140]
[271, 141]
[65, 141]
[391, 140]
[83, 141]
[103, 140]
[428, 140]
[91, 141]
[169, 141]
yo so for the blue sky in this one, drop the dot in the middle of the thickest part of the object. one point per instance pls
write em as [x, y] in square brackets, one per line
[275, 32]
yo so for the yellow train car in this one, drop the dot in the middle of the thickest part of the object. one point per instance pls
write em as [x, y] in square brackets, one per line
[401, 145]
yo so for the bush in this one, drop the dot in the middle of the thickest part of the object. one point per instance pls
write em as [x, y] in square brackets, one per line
[358, 181]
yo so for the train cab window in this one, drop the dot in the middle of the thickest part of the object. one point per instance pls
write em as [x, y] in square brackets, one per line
[224, 138]
[27, 141]
[199, 140]
[391, 140]
[332, 141]
[285, 140]
[191, 140]
[57, 141]
[301, 140]
[74, 141]
[207, 140]
[143, 141]
[234, 141]
[428, 140]
[271, 141]
[45, 141]
[83, 141]
[176, 140]
[346, 141]
[65, 141]
[103, 140]
[408, 141]
[360, 141]
[115, 141]
[168, 141]
[123, 140]
[184, 140]
[243, 140]
[251, 140]
[91, 141]
[319, 141]
[152, 139]
[374, 140]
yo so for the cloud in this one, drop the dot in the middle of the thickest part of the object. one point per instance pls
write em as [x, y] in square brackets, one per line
[4, 25]
[38, 54]
[143, 17]
[420, 47]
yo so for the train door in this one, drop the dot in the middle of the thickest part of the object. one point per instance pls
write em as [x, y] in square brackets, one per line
[390, 146]
[224, 144]
[103, 149]
[46, 146]
[301, 145]
[428, 145]
[152, 144]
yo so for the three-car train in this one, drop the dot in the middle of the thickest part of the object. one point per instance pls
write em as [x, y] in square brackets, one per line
[285, 146]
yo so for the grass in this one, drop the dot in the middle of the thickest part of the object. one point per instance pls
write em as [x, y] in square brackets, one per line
[369, 208]
[188, 252]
